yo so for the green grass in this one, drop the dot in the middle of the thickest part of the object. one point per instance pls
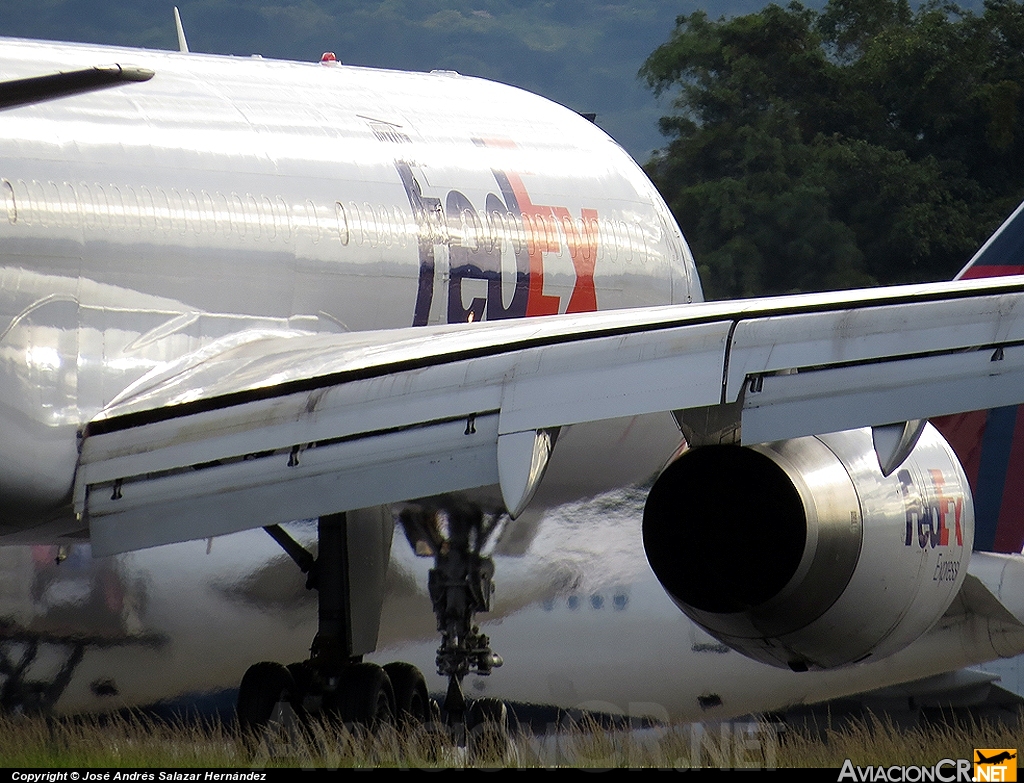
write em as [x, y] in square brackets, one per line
[139, 742]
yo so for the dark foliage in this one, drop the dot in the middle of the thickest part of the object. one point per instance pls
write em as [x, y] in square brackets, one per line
[863, 144]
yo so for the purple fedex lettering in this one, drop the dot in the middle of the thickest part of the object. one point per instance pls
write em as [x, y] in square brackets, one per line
[468, 257]
[931, 521]
[475, 243]
[426, 212]
[498, 212]
[475, 253]
[911, 502]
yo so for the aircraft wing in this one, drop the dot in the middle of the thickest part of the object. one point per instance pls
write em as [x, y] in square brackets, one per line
[35, 89]
[269, 427]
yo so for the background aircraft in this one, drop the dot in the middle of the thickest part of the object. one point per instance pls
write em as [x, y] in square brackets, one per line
[210, 270]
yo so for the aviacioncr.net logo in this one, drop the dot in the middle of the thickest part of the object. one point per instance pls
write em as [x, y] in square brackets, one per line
[945, 771]
[995, 764]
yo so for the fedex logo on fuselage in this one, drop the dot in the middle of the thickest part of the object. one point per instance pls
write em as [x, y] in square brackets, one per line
[931, 515]
[475, 236]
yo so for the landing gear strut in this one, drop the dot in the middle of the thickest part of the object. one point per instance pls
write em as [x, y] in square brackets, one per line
[460, 585]
[334, 680]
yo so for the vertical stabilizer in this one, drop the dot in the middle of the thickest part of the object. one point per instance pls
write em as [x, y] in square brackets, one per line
[1002, 254]
[990, 443]
[182, 43]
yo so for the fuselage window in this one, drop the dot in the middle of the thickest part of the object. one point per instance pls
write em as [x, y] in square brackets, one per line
[176, 212]
[339, 210]
[384, 224]
[639, 242]
[555, 233]
[237, 210]
[312, 222]
[401, 226]
[51, 204]
[24, 202]
[551, 238]
[573, 234]
[102, 206]
[34, 202]
[163, 210]
[131, 208]
[470, 230]
[534, 233]
[355, 223]
[193, 212]
[370, 227]
[626, 241]
[115, 200]
[223, 213]
[147, 210]
[253, 219]
[517, 231]
[207, 213]
[44, 216]
[87, 205]
[9, 202]
[96, 206]
[283, 218]
[494, 231]
[609, 244]
[589, 235]
[268, 222]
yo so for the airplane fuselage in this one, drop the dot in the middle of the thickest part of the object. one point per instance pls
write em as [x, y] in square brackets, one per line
[241, 194]
[236, 196]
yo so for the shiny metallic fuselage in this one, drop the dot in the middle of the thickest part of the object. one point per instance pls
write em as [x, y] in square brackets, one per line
[232, 195]
[142, 223]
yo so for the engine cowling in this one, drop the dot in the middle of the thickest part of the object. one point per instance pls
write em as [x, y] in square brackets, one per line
[801, 554]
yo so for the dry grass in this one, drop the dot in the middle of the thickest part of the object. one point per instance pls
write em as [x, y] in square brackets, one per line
[877, 740]
[136, 741]
[114, 742]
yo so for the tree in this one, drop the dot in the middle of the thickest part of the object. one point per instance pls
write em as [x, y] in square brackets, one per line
[862, 144]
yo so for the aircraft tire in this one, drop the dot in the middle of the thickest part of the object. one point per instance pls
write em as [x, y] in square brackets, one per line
[263, 686]
[412, 703]
[366, 696]
[304, 679]
[488, 738]
[483, 711]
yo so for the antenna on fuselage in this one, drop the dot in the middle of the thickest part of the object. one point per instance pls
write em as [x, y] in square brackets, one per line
[182, 43]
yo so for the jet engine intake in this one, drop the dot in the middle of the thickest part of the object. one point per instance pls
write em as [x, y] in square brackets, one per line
[801, 554]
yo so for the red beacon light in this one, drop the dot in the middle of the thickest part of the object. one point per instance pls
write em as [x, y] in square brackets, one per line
[328, 58]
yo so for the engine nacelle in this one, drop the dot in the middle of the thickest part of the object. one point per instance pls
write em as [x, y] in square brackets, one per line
[801, 554]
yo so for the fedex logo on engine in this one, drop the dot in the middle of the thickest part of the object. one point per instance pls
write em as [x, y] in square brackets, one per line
[931, 515]
[476, 240]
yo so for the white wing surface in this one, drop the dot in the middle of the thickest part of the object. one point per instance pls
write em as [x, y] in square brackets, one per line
[269, 427]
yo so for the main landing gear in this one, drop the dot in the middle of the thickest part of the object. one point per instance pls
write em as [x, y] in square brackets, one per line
[334, 680]
[348, 574]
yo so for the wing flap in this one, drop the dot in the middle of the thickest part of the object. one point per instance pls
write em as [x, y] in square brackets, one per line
[287, 427]
[218, 498]
[847, 397]
[825, 338]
